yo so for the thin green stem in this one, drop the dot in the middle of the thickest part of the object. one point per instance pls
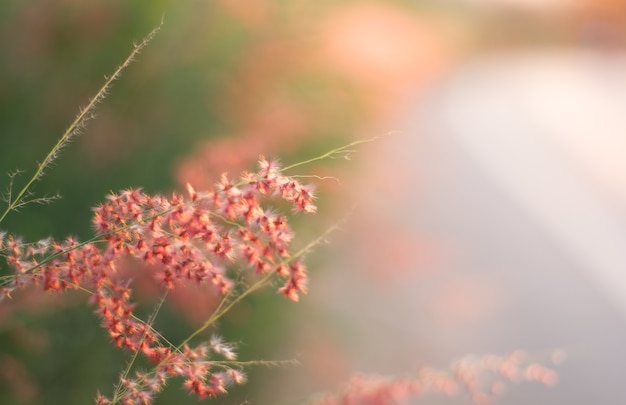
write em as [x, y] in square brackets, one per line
[250, 363]
[84, 115]
[342, 150]
[96, 239]
[218, 314]
[119, 389]
[224, 308]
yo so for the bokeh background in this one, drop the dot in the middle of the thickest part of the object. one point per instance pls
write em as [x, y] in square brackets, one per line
[490, 219]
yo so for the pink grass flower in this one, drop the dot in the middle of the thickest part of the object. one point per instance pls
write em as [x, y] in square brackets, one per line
[195, 237]
[479, 377]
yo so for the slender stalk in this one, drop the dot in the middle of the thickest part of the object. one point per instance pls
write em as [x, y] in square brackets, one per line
[79, 123]
[218, 314]
[223, 309]
[342, 151]
[120, 390]
[96, 239]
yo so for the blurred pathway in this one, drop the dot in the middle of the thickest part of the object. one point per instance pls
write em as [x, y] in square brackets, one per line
[498, 223]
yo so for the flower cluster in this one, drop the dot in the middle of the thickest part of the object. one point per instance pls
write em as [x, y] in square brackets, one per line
[482, 378]
[196, 237]
[193, 365]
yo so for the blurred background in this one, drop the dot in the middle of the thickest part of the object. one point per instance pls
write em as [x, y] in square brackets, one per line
[491, 218]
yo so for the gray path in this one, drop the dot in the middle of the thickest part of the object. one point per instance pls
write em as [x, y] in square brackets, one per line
[528, 250]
